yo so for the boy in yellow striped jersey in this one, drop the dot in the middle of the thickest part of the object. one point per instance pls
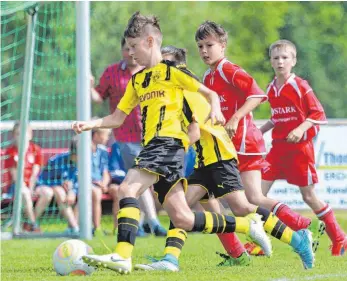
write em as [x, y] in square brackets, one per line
[158, 88]
[216, 173]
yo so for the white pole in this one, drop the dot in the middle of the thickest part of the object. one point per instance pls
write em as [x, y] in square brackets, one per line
[84, 114]
[24, 116]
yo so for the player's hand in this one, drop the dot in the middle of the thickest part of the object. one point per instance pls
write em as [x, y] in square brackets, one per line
[217, 117]
[231, 126]
[80, 126]
[295, 135]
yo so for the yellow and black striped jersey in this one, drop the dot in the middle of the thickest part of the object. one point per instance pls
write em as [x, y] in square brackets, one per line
[159, 91]
[214, 144]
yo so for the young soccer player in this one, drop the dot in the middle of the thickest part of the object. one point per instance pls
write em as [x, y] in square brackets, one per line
[296, 116]
[239, 95]
[159, 90]
[216, 173]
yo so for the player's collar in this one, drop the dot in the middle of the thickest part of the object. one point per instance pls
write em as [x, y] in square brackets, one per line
[290, 78]
[221, 61]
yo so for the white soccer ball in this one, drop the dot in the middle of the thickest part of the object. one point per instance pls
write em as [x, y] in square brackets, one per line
[67, 258]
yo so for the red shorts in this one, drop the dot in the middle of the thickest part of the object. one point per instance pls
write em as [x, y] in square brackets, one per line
[251, 162]
[292, 162]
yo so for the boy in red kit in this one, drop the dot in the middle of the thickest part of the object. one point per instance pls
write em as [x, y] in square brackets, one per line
[239, 95]
[296, 116]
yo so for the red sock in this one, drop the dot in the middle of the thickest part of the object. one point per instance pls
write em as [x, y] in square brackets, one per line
[292, 219]
[231, 244]
[332, 227]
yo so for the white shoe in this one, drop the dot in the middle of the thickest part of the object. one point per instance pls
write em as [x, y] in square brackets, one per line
[111, 261]
[158, 266]
[258, 235]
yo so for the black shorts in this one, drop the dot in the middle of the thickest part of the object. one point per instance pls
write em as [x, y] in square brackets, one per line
[163, 156]
[218, 179]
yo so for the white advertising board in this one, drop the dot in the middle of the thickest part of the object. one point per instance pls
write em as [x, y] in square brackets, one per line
[331, 163]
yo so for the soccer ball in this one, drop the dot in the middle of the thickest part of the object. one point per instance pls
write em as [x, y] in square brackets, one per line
[67, 258]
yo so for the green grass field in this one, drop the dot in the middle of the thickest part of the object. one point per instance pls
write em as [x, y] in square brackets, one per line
[25, 260]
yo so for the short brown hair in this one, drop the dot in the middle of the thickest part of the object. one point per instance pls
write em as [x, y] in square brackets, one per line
[139, 24]
[178, 53]
[282, 44]
[211, 28]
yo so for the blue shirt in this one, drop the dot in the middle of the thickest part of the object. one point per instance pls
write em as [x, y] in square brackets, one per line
[99, 162]
[116, 165]
[189, 162]
[58, 170]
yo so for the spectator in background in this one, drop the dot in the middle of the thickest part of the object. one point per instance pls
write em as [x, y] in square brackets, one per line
[59, 177]
[100, 174]
[32, 164]
[112, 85]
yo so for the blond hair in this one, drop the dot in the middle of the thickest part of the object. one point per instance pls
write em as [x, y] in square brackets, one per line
[283, 44]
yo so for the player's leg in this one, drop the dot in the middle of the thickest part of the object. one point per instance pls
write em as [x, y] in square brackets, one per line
[129, 152]
[227, 176]
[266, 186]
[45, 194]
[147, 204]
[326, 214]
[113, 191]
[97, 211]
[134, 184]
[198, 190]
[279, 159]
[251, 180]
[183, 219]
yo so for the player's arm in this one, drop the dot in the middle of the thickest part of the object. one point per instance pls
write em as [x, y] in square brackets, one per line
[251, 91]
[114, 120]
[267, 127]
[315, 114]
[191, 84]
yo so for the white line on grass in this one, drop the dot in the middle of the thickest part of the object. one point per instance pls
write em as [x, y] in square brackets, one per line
[314, 277]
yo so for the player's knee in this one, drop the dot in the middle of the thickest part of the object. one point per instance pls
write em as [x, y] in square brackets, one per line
[255, 199]
[126, 191]
[241, 211]
[183, 221]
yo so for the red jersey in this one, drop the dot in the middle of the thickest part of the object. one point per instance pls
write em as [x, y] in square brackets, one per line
[234, 86]
[291, 105]
[113, 83]
[33, 157]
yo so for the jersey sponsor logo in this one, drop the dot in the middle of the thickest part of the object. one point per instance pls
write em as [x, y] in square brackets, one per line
[283, 110]
[152, 95]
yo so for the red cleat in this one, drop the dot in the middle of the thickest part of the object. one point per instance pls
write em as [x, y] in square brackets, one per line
[339, 248]
[253, 249]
